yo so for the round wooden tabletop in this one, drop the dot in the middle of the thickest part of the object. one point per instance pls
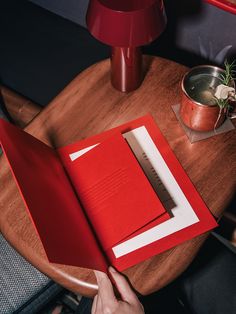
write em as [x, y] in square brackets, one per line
[90, 105]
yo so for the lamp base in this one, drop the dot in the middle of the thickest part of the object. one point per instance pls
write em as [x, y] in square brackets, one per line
[126, 68]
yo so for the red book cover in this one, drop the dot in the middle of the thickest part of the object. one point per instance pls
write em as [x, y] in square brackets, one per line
[189, 214]
[123, 197]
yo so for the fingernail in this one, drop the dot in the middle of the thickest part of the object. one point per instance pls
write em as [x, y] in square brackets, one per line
[100, 275]
[112, 270]
[97, 274]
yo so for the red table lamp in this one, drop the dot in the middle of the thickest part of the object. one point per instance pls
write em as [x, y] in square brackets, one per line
[126, 25]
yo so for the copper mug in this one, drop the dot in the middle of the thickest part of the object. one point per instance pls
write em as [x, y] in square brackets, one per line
[198, 109]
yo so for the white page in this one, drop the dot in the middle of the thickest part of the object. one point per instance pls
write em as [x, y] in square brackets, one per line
[159, 175]
[79, 153]
[183, 214]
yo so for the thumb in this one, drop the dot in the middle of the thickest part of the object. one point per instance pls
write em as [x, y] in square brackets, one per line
[105, 288]
[123, 286]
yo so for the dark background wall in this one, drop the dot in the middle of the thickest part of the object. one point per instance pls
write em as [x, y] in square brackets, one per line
[194, 27]
[44, 46]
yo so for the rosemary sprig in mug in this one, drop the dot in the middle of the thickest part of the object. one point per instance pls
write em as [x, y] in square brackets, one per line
[225, 95]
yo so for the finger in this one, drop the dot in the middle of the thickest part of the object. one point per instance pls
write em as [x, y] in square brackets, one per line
[97, 305]
[105, 289]
[94, 306]
[123, 286]
[99, 308]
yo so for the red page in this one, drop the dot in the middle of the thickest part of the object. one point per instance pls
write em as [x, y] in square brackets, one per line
[224, 4]
[114, 191]
[205, 219]
[51, 202]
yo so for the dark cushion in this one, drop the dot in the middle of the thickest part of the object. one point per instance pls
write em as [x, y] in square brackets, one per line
[73, 10]
[209, 284]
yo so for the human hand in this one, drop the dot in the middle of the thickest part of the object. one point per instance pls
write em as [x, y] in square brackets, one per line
[106, 302]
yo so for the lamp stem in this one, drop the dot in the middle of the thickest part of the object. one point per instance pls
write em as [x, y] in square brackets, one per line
[126, 68]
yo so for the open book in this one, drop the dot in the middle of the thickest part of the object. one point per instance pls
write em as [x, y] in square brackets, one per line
[116, 198]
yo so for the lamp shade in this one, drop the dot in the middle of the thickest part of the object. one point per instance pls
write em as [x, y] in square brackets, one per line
[126, 23]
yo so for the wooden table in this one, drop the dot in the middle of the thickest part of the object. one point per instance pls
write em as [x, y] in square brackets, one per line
[89, 105]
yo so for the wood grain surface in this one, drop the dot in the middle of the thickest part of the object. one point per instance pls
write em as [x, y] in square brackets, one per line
[21, 109]
[89, 105]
